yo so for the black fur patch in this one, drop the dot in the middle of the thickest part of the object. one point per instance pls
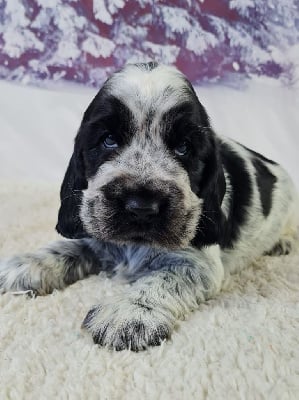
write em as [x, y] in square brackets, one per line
[108, 115]
[265, 183]
[69, 223]
[207, 181]
[241, 195]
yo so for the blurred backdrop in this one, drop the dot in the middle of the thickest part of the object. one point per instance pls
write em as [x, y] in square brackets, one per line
[242, 55]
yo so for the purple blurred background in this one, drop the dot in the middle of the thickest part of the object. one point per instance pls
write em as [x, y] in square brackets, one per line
[209, 40]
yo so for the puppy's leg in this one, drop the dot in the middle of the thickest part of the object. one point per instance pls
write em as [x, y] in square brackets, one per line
[62, 263]
[289, 236]
[170, 286]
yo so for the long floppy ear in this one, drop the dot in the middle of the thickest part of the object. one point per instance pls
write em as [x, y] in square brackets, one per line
[69, 221]
[212, 190]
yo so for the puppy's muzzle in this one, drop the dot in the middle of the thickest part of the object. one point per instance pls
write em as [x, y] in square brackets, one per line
[140, 211]
[137, 202]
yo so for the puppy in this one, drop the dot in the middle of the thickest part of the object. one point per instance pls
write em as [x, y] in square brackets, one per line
[153, 194]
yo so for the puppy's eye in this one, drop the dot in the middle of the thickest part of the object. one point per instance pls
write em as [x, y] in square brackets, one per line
[110, 142]
[182, 149]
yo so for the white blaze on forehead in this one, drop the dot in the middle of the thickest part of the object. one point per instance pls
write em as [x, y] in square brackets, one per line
[142, 90]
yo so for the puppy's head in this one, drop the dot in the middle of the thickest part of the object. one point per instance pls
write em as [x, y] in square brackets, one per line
[144, 161]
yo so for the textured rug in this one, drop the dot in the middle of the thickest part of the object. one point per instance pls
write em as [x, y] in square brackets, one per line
[242, 345]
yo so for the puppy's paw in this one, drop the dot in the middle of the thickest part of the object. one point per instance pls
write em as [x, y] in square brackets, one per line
[281, 248]
[15, 277]
[128, 325]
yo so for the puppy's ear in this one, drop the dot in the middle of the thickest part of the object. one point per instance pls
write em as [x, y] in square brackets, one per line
[69, 221]
[212, 190]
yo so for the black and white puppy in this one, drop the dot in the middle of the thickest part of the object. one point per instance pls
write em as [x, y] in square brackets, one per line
[153, 194]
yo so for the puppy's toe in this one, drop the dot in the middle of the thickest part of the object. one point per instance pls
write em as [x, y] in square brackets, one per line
[281, 248]
[133, 328]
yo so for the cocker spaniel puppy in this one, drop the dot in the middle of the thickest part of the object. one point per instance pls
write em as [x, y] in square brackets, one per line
[153, 194]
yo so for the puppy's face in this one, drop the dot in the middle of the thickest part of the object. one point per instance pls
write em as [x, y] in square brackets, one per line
[143, 145]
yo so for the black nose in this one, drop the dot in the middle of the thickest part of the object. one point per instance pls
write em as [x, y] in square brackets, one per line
[142, 208]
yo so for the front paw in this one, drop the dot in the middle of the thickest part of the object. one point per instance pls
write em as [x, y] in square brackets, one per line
[128, 325]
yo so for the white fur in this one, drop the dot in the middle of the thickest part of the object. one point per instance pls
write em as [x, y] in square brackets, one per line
[141, 89]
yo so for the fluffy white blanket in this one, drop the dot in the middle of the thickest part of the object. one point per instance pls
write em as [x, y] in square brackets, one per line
[242, 345]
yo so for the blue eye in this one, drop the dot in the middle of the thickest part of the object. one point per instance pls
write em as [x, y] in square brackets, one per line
[110, 142]
[182, 149]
